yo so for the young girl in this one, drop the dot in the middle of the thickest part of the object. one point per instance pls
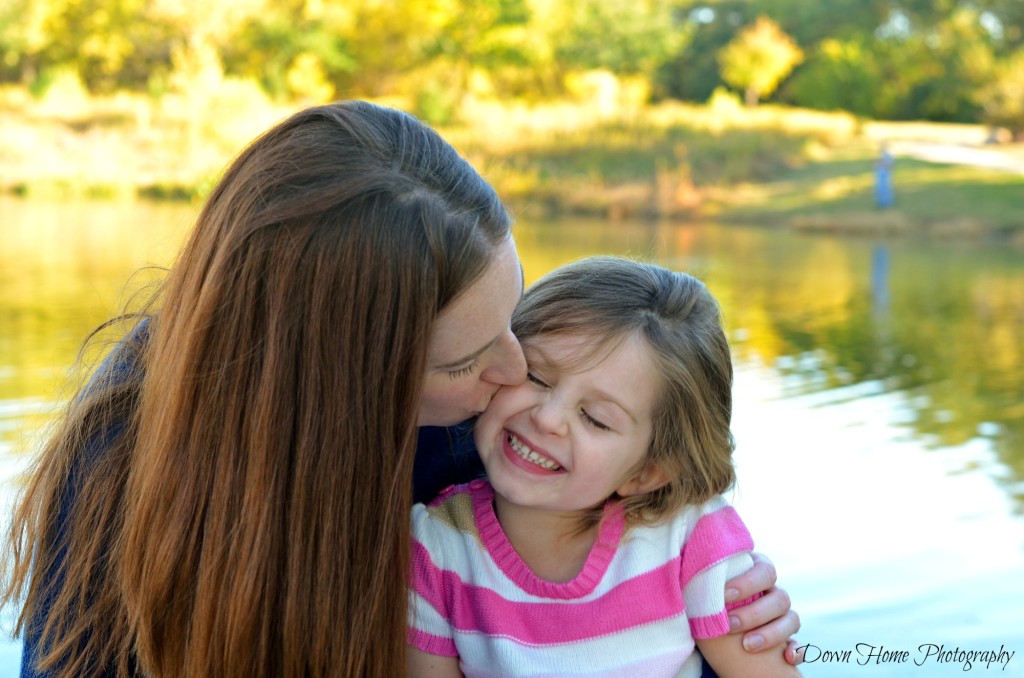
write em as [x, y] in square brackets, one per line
[600, 544]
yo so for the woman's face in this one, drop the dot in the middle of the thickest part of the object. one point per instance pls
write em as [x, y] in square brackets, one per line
[472, 350]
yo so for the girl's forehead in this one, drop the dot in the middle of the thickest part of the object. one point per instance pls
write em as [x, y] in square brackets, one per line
[574, 351]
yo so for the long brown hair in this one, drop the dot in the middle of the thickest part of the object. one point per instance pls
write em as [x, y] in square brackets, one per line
[231, 498]
[608, 300]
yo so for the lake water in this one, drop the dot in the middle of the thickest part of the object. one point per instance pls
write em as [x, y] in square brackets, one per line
[879, 407]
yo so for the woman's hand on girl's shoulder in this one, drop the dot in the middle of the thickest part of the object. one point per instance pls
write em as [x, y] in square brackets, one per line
[768, 621]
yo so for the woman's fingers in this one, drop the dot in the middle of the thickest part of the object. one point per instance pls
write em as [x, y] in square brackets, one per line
[758, 579]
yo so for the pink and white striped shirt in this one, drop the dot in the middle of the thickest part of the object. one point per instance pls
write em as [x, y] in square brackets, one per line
[634, 609]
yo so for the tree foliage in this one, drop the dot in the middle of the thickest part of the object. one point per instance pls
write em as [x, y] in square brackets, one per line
[757, 59]
[936, 59]
[639, 26]
[1003, 99]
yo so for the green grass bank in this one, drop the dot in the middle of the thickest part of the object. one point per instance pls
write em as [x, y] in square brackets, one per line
[781, 167]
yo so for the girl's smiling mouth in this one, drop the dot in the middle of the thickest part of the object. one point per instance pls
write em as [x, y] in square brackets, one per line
[523, 451]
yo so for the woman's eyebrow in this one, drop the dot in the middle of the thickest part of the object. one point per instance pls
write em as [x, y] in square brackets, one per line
[469, 358]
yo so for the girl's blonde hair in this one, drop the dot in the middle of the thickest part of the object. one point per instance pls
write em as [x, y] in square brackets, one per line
[611, 299]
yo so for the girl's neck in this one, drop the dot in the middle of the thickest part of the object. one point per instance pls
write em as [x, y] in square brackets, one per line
[549, 542]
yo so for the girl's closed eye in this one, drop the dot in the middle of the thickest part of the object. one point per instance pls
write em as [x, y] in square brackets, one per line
[531, 376]
[593, 422]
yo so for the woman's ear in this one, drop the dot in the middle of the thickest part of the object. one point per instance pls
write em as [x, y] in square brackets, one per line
[647, 479]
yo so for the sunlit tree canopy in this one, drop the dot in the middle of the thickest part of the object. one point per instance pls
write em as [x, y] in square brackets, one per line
[904, 59]
[758, 59]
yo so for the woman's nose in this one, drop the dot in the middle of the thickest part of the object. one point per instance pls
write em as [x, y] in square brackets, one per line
[508, 365]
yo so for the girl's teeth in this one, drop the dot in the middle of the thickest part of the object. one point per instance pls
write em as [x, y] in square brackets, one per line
[526, 453]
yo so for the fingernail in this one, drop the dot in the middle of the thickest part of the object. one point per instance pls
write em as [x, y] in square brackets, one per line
[753, 643]
[731, 595]
[734, 623]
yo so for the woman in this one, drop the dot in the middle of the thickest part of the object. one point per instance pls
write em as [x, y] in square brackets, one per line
[230, 494]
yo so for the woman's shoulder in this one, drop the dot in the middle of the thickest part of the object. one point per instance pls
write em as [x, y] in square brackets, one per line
[445, 456]
[124, 361]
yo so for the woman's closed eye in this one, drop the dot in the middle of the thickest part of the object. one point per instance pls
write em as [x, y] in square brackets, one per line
[463, 371]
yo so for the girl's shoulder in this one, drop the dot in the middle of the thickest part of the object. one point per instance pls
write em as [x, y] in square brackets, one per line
[687, 518]
[713, 517]
[709, 526]
[448, 533]
[453, 512]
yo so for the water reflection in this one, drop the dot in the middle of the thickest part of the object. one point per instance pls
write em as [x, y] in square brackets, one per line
[882, 383]
[63, 268]
[942, 324]
[951, 340]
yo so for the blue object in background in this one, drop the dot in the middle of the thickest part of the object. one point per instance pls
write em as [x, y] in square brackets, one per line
[884, 194]
[880, 280]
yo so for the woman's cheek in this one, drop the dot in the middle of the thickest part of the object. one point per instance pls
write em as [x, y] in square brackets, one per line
[509, 400]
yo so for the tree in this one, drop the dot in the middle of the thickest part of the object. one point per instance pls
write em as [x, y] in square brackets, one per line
[295, 48]
[1003, 100]
[850, 75]
[933, 71]
[808, 23]
[757, 59]
[622, 36]
[105, 43]
[962, 63]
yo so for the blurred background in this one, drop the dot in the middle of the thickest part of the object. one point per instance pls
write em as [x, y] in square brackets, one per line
[848, 177]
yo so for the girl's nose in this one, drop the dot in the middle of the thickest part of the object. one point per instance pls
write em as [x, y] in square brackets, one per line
[549, 417]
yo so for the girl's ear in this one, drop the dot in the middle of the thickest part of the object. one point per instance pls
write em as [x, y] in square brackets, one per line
[647, 479]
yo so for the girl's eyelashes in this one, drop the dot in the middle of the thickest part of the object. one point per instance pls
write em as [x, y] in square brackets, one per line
[463, 371]
[533, 378]
[593, 422]
[530, 376]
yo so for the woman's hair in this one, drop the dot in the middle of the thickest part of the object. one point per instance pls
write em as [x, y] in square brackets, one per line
[230, 495]
[610, 300]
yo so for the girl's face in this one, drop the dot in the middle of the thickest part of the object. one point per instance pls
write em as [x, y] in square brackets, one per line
[566, 440]
[472, 350]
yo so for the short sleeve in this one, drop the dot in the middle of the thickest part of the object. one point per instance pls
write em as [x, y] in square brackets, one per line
[717, 549]
[705, 596]
[429, 628]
